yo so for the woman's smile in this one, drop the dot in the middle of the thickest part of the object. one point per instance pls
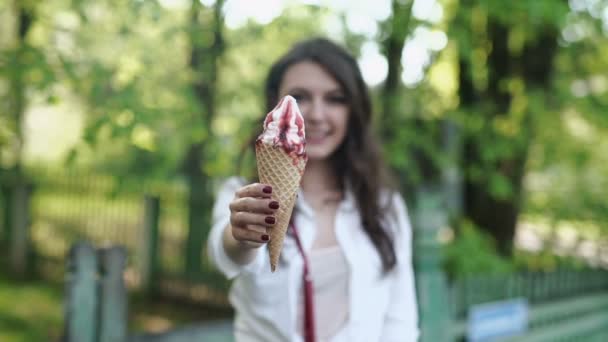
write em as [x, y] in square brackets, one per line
[316, 137]
[323, 104]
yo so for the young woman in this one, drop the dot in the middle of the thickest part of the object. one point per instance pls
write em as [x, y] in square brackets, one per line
[353, 233]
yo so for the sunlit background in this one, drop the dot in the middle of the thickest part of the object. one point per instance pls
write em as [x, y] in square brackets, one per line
[502, 105]
[63, 123]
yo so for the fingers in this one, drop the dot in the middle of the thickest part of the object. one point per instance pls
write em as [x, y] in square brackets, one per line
[266, 206]
[255, 190]
[243, 219]
[252, 214]
[251, 234]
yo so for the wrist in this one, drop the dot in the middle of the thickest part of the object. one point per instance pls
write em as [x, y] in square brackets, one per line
[241, 252]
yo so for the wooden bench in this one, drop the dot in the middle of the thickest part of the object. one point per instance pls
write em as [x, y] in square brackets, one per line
[96, 307]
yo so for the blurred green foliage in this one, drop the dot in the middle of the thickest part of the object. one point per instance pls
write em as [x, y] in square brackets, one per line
[473, 252]
[546, 261]
[125, 65]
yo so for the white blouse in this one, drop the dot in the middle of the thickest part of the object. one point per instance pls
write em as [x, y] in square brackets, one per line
[380, 308]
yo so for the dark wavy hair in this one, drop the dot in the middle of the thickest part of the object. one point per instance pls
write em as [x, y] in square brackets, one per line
[357, 161]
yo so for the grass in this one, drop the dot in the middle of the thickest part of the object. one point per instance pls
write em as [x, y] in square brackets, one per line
[29, 310]
[32, 311]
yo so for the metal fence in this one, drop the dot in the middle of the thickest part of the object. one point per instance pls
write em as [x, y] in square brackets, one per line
[64, 207]
[564, 305]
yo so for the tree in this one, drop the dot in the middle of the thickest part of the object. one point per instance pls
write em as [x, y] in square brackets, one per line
[206, 40]
[18, 61]
[506, 54]
[507, 96]
[413, 141]
[396, 29]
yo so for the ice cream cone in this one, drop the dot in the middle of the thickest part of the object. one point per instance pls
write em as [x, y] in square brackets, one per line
[283, 173]
[281, 158]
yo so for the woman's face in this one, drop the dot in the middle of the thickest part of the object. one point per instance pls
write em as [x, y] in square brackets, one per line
[323, 105]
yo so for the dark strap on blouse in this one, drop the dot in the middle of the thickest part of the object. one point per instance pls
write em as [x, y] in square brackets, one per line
[309, 315]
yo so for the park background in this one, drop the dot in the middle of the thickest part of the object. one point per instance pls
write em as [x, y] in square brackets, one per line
[115, 111]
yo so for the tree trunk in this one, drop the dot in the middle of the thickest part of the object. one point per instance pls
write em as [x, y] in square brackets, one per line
[498, 216]
[392, 46]
[207, 45]
[12, 181]
[393, 49]
[17, 89]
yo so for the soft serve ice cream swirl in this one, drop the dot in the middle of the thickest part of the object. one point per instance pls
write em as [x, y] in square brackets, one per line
[284, 127]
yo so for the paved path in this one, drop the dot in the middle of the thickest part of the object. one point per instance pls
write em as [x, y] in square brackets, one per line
[217, 331]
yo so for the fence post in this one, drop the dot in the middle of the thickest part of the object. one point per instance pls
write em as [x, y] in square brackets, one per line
[113, 306]
[149, 253]
[7, 201]
[431, 283]
[451, 174]
[81, 294]
[19, 226]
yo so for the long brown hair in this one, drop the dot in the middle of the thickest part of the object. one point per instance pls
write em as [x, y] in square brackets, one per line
[357, 161]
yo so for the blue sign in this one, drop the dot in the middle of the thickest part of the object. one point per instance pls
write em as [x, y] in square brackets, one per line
[490, 321]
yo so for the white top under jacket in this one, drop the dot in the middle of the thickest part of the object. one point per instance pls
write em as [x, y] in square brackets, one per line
[381, 308]
[330, 275]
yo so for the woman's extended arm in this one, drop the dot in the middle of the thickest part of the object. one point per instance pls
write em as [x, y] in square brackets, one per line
[236, 250]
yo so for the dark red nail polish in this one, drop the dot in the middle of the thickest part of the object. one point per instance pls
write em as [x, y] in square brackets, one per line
[274, 205]
[267, 189]
[270, 220]
[265, 237]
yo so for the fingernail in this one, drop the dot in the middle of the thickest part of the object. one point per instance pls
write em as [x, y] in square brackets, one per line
[267, 189]
[265, 237]
[270, 220]
[274, 205]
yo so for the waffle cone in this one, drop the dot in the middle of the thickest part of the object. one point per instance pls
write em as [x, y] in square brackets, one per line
[283, 173]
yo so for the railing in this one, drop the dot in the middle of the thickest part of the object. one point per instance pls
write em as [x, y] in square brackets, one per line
[148, 219]
[565, 305]
[576, 299]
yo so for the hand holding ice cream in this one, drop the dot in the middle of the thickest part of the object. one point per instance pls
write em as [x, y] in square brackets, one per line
[260, 212]
[281, 158]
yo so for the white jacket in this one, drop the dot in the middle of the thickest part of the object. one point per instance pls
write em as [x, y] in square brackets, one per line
[382, 309]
